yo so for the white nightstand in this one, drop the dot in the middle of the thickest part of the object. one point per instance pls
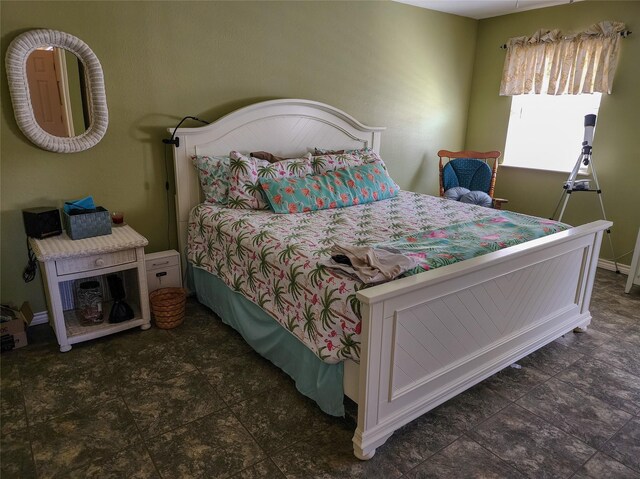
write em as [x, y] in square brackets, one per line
[63, 261]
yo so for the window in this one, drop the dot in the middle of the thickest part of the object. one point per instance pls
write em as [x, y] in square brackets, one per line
[546, 131]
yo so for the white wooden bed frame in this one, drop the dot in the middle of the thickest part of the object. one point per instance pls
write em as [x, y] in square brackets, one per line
[428, 337]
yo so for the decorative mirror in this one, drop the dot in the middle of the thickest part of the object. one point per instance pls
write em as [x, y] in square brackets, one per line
[57, 90]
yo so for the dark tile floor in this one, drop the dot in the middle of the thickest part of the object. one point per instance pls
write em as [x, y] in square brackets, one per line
[197, 402]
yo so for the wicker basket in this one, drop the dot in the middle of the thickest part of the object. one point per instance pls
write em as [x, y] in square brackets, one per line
[168, 306]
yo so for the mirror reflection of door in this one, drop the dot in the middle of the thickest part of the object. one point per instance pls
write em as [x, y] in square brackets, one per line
[56, 90]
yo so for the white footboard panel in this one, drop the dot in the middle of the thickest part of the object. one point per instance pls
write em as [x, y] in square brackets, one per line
[429, 337]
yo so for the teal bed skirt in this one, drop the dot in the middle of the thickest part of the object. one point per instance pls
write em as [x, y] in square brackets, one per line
[314, 378]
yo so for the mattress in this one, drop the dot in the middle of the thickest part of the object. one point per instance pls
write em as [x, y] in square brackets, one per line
[276, 260]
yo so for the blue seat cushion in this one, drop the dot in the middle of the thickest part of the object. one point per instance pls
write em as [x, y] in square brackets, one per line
[479, 198]
[455, 193]
[475, 175]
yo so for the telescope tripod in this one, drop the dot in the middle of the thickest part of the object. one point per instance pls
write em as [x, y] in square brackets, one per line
[572, 185]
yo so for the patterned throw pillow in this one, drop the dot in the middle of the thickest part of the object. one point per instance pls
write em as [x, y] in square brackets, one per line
[369, 156]
[328, 151]
[333, 189]
[355, 157]
[324, 163]
[213, 172]
[364, 153]
[245, 171]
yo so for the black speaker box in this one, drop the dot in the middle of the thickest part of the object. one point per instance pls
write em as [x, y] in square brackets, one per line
[42, 222]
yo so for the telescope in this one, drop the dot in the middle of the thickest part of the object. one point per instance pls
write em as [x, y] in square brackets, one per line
[589, 128]
[572, 184]
[584, 158]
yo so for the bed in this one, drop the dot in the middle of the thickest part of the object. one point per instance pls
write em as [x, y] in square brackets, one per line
[423, 338]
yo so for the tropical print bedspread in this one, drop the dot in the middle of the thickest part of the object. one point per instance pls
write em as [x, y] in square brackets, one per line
[439, 247]
[274, 259]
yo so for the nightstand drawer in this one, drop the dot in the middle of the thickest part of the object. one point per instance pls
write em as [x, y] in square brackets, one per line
[97, 261]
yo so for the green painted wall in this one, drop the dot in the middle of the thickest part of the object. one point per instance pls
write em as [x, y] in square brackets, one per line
[387, 64]
[615, 145]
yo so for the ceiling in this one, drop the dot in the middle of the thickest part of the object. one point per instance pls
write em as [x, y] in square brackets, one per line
[479, 9]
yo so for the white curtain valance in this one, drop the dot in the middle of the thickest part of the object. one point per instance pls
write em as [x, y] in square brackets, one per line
[556, 64]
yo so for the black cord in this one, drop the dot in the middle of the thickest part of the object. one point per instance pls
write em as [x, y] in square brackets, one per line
[29, 272]
[176, 142]
[166, 188]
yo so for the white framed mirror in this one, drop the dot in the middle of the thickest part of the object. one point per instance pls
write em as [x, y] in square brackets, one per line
[57, 90]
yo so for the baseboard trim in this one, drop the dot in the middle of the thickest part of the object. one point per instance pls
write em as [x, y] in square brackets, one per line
[611, 266]
[40, 318]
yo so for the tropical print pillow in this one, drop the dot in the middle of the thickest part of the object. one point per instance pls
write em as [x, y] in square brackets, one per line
[367, 154]
[245, 191]
[213, 172]
[324, 163]
[354, 157]
[329, 151]
[333, 189]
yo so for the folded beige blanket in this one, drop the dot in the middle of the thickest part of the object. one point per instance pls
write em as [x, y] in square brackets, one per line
[370, 265]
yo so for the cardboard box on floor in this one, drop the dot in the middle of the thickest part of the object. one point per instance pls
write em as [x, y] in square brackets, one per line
[13, 326]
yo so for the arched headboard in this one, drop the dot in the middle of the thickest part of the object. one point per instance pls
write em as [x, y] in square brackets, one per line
[288, 127]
